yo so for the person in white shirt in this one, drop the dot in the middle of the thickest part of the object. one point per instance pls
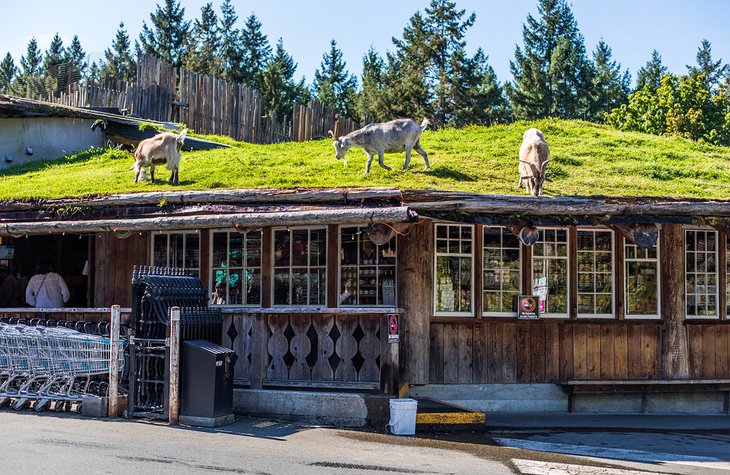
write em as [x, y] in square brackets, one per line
[46, 289]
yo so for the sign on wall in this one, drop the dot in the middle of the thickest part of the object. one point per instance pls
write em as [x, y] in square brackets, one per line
[527, 307]
[393, 328]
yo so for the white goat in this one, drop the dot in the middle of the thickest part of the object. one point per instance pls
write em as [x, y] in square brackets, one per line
[390, 137]
[534, 157]
[161, 149]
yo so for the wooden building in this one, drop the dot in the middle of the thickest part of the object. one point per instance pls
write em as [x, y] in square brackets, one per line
[635, 293]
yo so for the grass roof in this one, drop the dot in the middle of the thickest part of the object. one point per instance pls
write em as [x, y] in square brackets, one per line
[587, 159]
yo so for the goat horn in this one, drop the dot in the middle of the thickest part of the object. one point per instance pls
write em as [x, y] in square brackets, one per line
[544, 165]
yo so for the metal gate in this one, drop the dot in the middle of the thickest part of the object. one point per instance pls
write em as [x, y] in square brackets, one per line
[155, 290]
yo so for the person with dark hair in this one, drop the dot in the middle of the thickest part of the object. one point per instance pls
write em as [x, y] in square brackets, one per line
[9, 288]
[46, 289]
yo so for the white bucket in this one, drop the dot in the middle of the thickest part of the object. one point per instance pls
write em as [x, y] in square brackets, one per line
[403, 416]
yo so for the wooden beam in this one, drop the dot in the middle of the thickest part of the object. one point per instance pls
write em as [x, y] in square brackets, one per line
[674, 347]
[122, 227]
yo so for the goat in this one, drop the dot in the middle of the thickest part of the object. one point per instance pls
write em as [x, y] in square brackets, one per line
[534, 158]
[161, 149]
[389, 137]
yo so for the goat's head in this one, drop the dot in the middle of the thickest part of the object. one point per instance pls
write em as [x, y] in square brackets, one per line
[341, 147]
[536, 179]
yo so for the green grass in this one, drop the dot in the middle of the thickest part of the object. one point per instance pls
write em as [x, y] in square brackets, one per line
[588, 159]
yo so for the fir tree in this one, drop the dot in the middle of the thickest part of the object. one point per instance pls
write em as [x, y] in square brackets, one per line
[120, 64]
[611, 86]
[477, 98]
[29, 83]
[231, 54]
[8, 71]
[333, 85]
[279, 91]
[204, 56]
[168, 37]
[652, 73]
[370, 98]
[255, 53]
[714, 71]
[552, 74]
[55, 68]
[76, 55]
[94, 73]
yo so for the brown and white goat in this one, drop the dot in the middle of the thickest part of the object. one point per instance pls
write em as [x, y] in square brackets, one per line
[389, 137]
[534, 158]
[161, 149]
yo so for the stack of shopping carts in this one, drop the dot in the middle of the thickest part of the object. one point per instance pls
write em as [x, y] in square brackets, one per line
[52, 366]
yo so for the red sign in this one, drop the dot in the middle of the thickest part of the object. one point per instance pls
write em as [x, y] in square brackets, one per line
[527, 307]
[393, 328]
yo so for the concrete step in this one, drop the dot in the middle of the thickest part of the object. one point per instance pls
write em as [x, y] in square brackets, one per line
[433, 414]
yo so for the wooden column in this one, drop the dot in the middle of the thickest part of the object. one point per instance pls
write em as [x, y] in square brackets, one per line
[674, 349]
[174, 389]
[113, 405]
[415, 297]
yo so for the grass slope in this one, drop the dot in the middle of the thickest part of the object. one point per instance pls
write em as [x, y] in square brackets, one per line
[588, 159]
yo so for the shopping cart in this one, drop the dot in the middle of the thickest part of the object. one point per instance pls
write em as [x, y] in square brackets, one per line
[43, 365]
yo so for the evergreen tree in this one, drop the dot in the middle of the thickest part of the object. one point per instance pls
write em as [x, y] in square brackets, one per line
[611, 86]
[279, 91]
[203, 56]
[370, 98]
[231, 54]
[333, 85]
[76, 55]
[120, 64]
[477, 97]
[95, 73]
[168, 37]
[714, 71]
[8, 71]
[255, 53]
[652, 73]
[55, 70]
[29, 83]
[552, 74]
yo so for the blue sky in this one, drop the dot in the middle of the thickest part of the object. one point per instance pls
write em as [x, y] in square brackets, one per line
[632, 28]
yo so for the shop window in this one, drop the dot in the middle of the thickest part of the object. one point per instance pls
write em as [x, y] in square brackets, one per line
[701, 273]
[367, 271]
[454, 264]
[550, 272]
[180, 250]
[595, 273]
[501, 271]
[300, 266]
[641, 281]
[235, 270]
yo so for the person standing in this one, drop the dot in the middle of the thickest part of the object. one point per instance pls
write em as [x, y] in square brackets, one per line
[46, 289]
[9, 288]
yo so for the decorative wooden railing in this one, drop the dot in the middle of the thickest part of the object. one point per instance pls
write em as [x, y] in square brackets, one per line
[312, 350]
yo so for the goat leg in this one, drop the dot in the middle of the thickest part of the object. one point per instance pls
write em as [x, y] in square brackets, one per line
[368, 163]
[422, 152]
[381, 162]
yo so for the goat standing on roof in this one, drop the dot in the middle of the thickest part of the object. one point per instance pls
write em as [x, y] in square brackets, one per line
[534, 157]
[390, 137]
[161, 149]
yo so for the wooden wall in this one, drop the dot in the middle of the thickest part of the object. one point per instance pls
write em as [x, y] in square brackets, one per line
[114, 259]
[709, 350]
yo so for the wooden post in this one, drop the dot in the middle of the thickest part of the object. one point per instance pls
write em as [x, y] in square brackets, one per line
[415, 295]
[173, 396]
[674, 348]
[389, 365]
[113, 406]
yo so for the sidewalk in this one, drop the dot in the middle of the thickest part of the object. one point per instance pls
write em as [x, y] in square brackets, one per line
[531, 421]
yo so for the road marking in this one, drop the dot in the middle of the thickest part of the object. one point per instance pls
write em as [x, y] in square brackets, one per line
[533, 467]
[615, 453]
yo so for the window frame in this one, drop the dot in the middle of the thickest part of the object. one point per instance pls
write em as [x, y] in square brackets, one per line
[614, 286]
[568, 277]
[520, 270]
[211, 266]
[273, 266]
[436, 254]
[633, 316]
[195, 232]
[718, 264]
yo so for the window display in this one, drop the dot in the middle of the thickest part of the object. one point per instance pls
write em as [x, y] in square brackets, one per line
[236, 268]
[595, 272]
[642, 281]
[367, 271]
[550, 271]
[453, 278]
[180, 250]
[701, 273]
[502, 271]
[300, 266]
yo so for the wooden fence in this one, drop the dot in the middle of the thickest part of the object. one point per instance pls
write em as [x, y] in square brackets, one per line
[205, 104]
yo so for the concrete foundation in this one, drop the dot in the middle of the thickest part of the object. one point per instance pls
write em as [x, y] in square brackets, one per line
[207, 421]
[330, 408]
[48, 138]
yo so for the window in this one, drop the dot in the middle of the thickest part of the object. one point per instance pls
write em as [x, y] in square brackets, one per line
[453, 276]
[550, 272]
[727, 275]
[367, 271]
[701, 273]
[642, 282]
[501, 271]
[300, 266]
[235, 270]
[181, 250]
[595, 273]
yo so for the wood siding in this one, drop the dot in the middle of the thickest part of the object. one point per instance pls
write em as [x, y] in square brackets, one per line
[113, 264]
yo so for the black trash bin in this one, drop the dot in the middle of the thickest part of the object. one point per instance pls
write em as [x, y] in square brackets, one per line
[206, 383]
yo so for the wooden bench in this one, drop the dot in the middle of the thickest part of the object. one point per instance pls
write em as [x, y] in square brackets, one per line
[644, 387]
